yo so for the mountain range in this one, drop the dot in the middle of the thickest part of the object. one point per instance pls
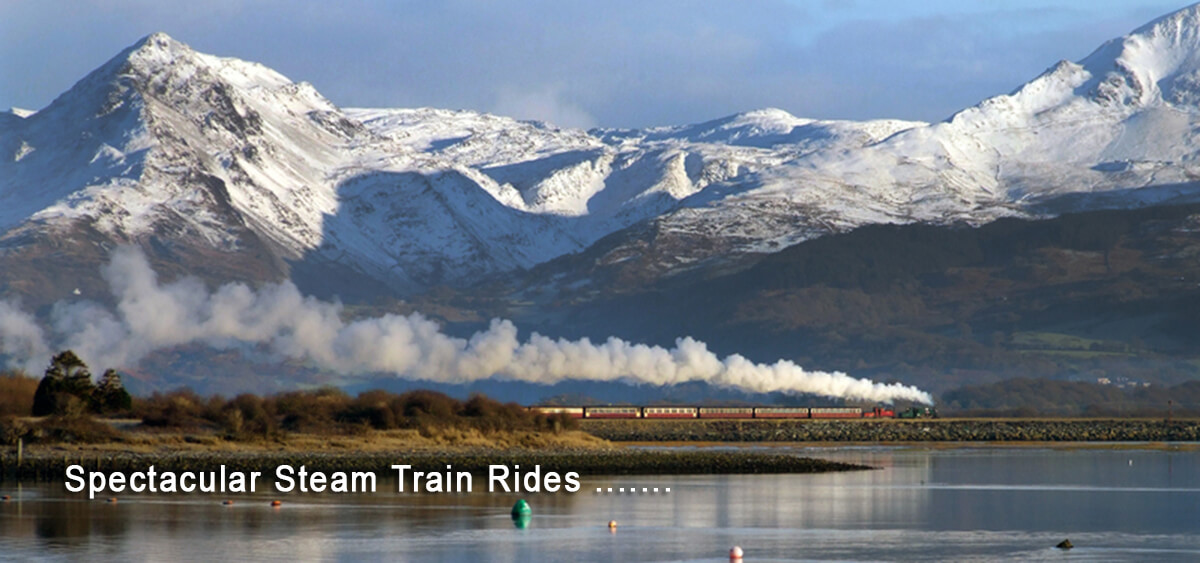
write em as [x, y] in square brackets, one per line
[227, 170]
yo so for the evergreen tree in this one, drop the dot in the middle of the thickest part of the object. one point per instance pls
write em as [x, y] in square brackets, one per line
[67, 381]
[110, 395]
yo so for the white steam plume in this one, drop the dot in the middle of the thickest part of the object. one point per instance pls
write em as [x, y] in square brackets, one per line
[21, 338]
[150, 316]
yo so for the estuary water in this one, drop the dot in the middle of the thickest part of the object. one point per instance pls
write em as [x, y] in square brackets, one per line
[958, 504]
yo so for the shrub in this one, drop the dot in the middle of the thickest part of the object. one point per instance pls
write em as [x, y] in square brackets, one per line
[311, 411]
[16, 394]
[12, 429]
[427, 405]
[248, 416]
[490, 415]
[182, 408]
[376, 409]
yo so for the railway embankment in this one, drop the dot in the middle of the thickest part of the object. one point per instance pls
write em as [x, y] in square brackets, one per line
[920, 430]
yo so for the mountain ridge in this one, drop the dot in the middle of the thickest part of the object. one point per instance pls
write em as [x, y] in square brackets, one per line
[168, 148]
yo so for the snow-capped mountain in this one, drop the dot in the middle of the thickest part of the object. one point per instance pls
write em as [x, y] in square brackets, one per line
[196, 156]
[1117, 129]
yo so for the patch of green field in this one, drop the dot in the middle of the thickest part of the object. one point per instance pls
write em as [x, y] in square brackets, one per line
[1056, 342]
[1078, 354]
[1052, 340]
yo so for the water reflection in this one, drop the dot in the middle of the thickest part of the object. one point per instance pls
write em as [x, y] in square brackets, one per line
[954, 504]
[796, 501]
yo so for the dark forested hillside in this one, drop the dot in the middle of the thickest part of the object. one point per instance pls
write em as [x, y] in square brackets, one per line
[1107, 295]
[1042, 397]
[1108, 298]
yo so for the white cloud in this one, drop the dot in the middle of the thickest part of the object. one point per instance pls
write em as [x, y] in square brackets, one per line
[547, 103]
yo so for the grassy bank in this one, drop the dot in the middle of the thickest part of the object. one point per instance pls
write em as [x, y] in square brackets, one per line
[49, 464]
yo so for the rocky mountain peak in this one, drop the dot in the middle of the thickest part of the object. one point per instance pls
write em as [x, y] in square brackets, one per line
[1158, 62]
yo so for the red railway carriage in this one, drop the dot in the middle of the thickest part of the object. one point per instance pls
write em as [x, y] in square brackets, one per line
[781, 412]
[880, 412]
[835, 412]
[726, 412]
[612, 412]
[669, 412]
[573, 412]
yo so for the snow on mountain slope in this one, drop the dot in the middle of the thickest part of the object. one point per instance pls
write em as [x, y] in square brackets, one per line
[1121, 118]
[165, 144]
[162, 139]
[125, 146]
[1118, 127]
[585, 185]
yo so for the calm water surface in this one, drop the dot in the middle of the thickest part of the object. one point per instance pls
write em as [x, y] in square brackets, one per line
[922, 504]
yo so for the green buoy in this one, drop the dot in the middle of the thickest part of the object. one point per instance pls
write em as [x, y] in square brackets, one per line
[521, 508]
[521, 514]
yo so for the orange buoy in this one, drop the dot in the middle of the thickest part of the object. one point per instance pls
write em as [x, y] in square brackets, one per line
[735, 554]
[612, 525]
[276, 503]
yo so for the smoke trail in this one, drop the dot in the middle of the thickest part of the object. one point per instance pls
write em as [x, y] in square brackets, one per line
[150, 316]
[21, 338]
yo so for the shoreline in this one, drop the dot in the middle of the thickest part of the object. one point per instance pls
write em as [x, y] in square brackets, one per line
[601, 447]
[48, 463]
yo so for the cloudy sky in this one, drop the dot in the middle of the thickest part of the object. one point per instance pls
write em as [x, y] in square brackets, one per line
[611, 63]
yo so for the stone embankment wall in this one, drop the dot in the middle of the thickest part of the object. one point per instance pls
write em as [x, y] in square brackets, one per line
[922, 430]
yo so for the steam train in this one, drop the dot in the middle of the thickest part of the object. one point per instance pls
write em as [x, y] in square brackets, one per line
[736, 412]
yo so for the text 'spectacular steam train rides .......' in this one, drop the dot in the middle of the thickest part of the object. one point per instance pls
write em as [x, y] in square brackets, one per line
[736, 412]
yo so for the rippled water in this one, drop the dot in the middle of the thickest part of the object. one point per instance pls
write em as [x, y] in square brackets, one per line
[949, 505]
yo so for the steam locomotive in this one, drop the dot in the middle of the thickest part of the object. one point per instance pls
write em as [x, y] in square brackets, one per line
[736, 412]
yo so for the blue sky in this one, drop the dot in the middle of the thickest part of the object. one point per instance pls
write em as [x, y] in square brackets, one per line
[612, 63]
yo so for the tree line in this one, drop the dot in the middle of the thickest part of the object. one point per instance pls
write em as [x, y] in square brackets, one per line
[67, 389]
[68, 401]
